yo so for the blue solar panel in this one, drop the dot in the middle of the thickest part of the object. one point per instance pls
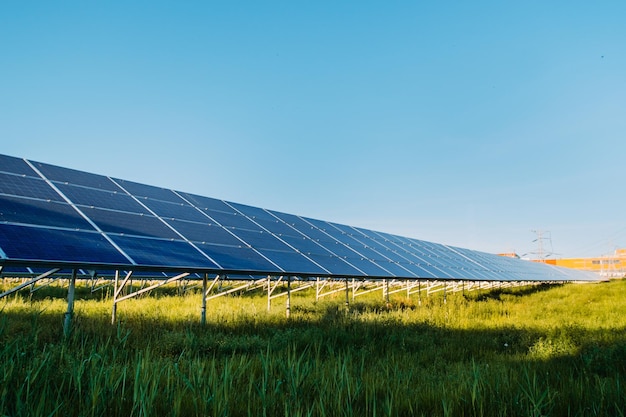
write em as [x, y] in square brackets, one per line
[41, 213]
[337, 265]
[303, 227]
[21, 242]
[155, 193]
[419, 271]
[234, 220]
[155, 227]
[177, 211]
[292, 262]
[237, 258]
[161, 252]
[305, 245]
[265, 220]
[253, 213]
[27, 187]
[15, 166]
[261, 240]
[92, 197]
[71, 176]
[129, 223]
[207, 203]
[203, 232]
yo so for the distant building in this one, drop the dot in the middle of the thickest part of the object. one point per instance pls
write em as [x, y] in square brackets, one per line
[610, 266]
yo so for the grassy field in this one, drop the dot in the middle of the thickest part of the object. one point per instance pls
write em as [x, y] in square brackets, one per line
[530, 351]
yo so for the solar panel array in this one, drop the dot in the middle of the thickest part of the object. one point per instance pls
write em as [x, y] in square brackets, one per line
[59, 216]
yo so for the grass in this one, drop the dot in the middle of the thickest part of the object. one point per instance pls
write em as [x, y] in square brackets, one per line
[532, 351]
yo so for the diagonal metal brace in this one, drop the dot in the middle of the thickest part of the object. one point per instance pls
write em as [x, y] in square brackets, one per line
[32, 281]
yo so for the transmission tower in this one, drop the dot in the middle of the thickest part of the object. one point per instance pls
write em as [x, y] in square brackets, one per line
[542, 235]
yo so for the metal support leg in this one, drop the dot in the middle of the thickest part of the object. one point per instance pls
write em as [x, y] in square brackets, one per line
[386, 292]
[205, 279]
[114, 310]
[269, 293]
[67, 323]
[347, 295]
[445, 288]
[317, 289]
[419, 293]
[288, 306]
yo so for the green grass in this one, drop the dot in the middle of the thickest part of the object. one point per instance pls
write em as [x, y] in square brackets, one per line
[532, 351]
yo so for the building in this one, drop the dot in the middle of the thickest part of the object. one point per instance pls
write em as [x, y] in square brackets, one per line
[609, 266]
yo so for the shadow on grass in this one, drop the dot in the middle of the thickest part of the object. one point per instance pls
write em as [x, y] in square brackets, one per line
[518, 370]
[333, 330]
[497, 293]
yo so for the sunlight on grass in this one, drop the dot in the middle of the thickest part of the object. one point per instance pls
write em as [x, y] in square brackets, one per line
[546, 350]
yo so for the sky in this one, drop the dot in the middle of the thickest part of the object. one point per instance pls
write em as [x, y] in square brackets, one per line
[494, 126]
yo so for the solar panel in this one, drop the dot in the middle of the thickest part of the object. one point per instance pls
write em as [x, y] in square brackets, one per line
[15, 166]
[59, 216]
[57, 245]
[72, 176]
[27, 187]
[91, 197]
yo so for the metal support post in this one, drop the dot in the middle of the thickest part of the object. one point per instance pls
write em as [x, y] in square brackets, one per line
[445, 288]
[67, 323]
[317, 289]
[347, 295]
[419, 293]
[269, 293]
[205, 279]
[288, 296]
[114, 310]
[386, 292]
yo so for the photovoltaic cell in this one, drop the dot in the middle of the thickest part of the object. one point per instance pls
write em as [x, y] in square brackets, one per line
[148, 191]
[161, 252]
[72, 176]
[262, 240]
[27, 187]
[253, 213]
[15, 166]
[207, 203]
[177, 211]
[129, 223]
[34, 243]
[233, 220]
[92, 197]
[337, 265]
[237, 258]
[41, 213]
[204, 233]
[292, 262]
[305, 245]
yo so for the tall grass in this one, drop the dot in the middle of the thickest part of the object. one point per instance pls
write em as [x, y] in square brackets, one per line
[536, 351]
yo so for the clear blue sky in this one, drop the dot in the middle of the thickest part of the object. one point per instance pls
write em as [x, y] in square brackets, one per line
[465, 123]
